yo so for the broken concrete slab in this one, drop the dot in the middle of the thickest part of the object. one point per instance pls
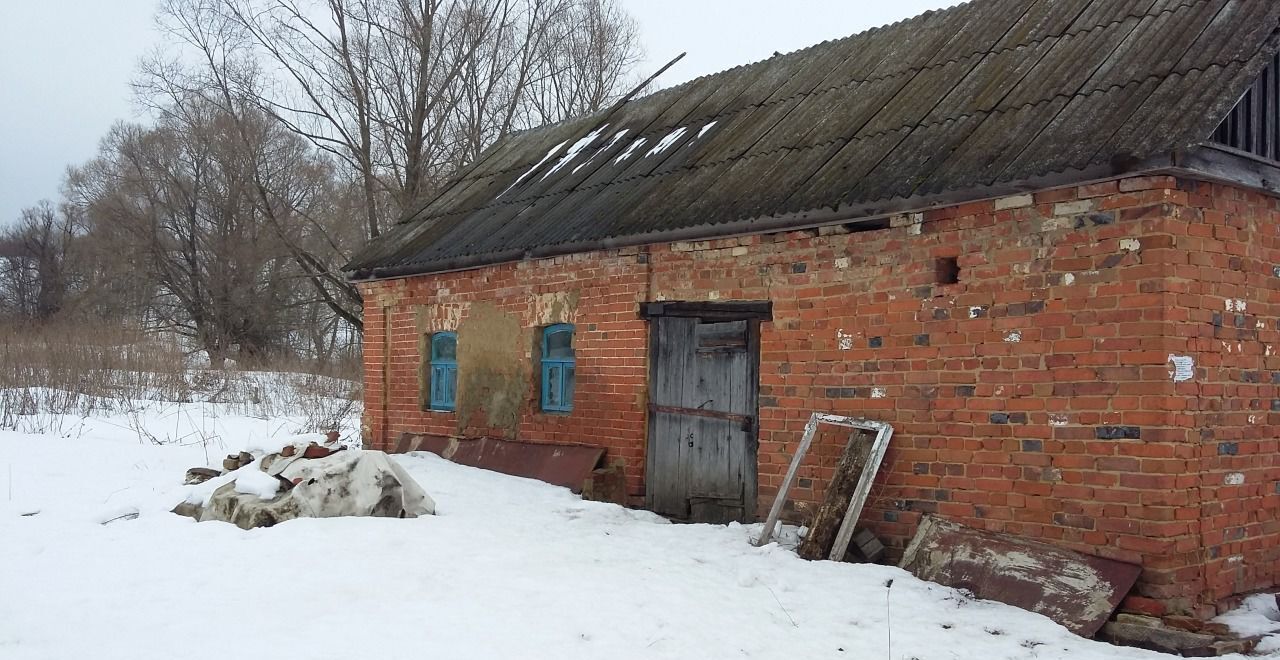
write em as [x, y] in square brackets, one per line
[1076, 590]
[200, 475]
[1156, 638]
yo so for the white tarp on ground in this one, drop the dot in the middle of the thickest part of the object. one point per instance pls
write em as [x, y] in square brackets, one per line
[345, 483]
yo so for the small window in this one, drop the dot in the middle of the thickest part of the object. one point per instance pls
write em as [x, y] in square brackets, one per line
[557, 368]
[444, 371]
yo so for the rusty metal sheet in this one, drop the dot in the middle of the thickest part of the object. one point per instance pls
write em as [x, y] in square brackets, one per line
[560, 465]
[1076, 590]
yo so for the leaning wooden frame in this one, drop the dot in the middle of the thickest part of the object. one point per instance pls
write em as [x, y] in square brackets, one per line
[883, 432]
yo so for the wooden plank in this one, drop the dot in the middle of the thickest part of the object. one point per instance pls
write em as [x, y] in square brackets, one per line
[826, 523]
[859, 498]
[810, 429]
[883, 433]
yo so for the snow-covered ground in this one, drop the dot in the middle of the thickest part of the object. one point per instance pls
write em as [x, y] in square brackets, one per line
[510, 568]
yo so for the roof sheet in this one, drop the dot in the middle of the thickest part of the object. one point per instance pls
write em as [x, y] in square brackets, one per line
[986, 92]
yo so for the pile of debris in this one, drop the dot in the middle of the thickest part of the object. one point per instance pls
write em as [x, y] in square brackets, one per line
[305, 480]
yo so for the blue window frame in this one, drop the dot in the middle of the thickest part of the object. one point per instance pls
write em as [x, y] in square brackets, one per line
[444, 371]
[558, 366]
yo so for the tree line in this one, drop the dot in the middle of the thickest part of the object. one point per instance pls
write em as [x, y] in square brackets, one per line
[281, 135]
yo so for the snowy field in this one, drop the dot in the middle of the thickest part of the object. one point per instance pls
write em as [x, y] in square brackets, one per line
[510, 568]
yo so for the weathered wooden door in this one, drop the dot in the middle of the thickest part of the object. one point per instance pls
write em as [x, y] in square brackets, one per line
[702, 419]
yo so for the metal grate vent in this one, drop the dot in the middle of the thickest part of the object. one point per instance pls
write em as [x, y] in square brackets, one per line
[1254, 124]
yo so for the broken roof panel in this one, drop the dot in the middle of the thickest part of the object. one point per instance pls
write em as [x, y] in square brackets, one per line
[986, 93]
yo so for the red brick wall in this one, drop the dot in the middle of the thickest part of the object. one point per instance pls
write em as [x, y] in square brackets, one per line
[1032, 397]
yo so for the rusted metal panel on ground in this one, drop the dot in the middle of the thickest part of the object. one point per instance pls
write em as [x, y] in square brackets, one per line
[1076, 590]
[561, 465]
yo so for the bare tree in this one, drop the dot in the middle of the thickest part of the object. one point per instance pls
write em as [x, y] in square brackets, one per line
[36, 273]
[398, 93]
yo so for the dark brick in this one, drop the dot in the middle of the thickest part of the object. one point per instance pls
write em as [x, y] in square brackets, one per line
[1118, 433]
[1249, 376]
[891, 516]
[1241, 320]
[922, 340]
[799, 267]
[875, 342]
[1275, 405]
[1102, 218]
[642, 258]
[1217, 319]
[1018, 418]
[1032, 445]
[1035, 306]
[1113, 260]
[999, 418]
[965, 390]
[920, 468]
[1228, 449]
[941, 314]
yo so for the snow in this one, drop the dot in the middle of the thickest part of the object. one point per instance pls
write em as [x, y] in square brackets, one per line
[666, 142]
[577, 148]
[251, 480]
[612, 141]
[510, 568]
[1258, 615]
[554, 150]
[631, 149]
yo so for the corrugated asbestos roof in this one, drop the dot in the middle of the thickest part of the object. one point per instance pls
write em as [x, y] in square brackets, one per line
[966, 98]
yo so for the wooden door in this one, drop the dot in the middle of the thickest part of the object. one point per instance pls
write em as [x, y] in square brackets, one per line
[702, 419]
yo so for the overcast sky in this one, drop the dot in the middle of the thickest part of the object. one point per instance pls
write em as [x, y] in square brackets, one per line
[65, 65]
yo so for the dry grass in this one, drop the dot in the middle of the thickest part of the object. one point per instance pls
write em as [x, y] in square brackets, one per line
[49, 374]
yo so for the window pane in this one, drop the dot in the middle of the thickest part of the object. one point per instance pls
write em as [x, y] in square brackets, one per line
[451, 387]
[444, 347]
[560, 344]
[567, 397]
[553, 381]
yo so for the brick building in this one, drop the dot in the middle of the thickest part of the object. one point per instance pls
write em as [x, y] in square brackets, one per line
[1039, 237]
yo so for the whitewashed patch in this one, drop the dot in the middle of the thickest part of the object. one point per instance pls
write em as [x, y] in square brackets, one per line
[845, 339]
[1233, 478]
[1013, 337]
[1057, 419]
[1130, 244]
[879, 393]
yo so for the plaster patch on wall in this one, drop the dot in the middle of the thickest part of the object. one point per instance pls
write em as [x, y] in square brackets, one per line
[842, 263]
[975, 312]
[1233, 478]
[1130, 244]
[1069, 279]
[878, 393]
[845, 339]
[1058, 419]
[1184, 368]
[1253, 419]
[1013, 337]
[713, 295]
[1237, 305]
[556, 307]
